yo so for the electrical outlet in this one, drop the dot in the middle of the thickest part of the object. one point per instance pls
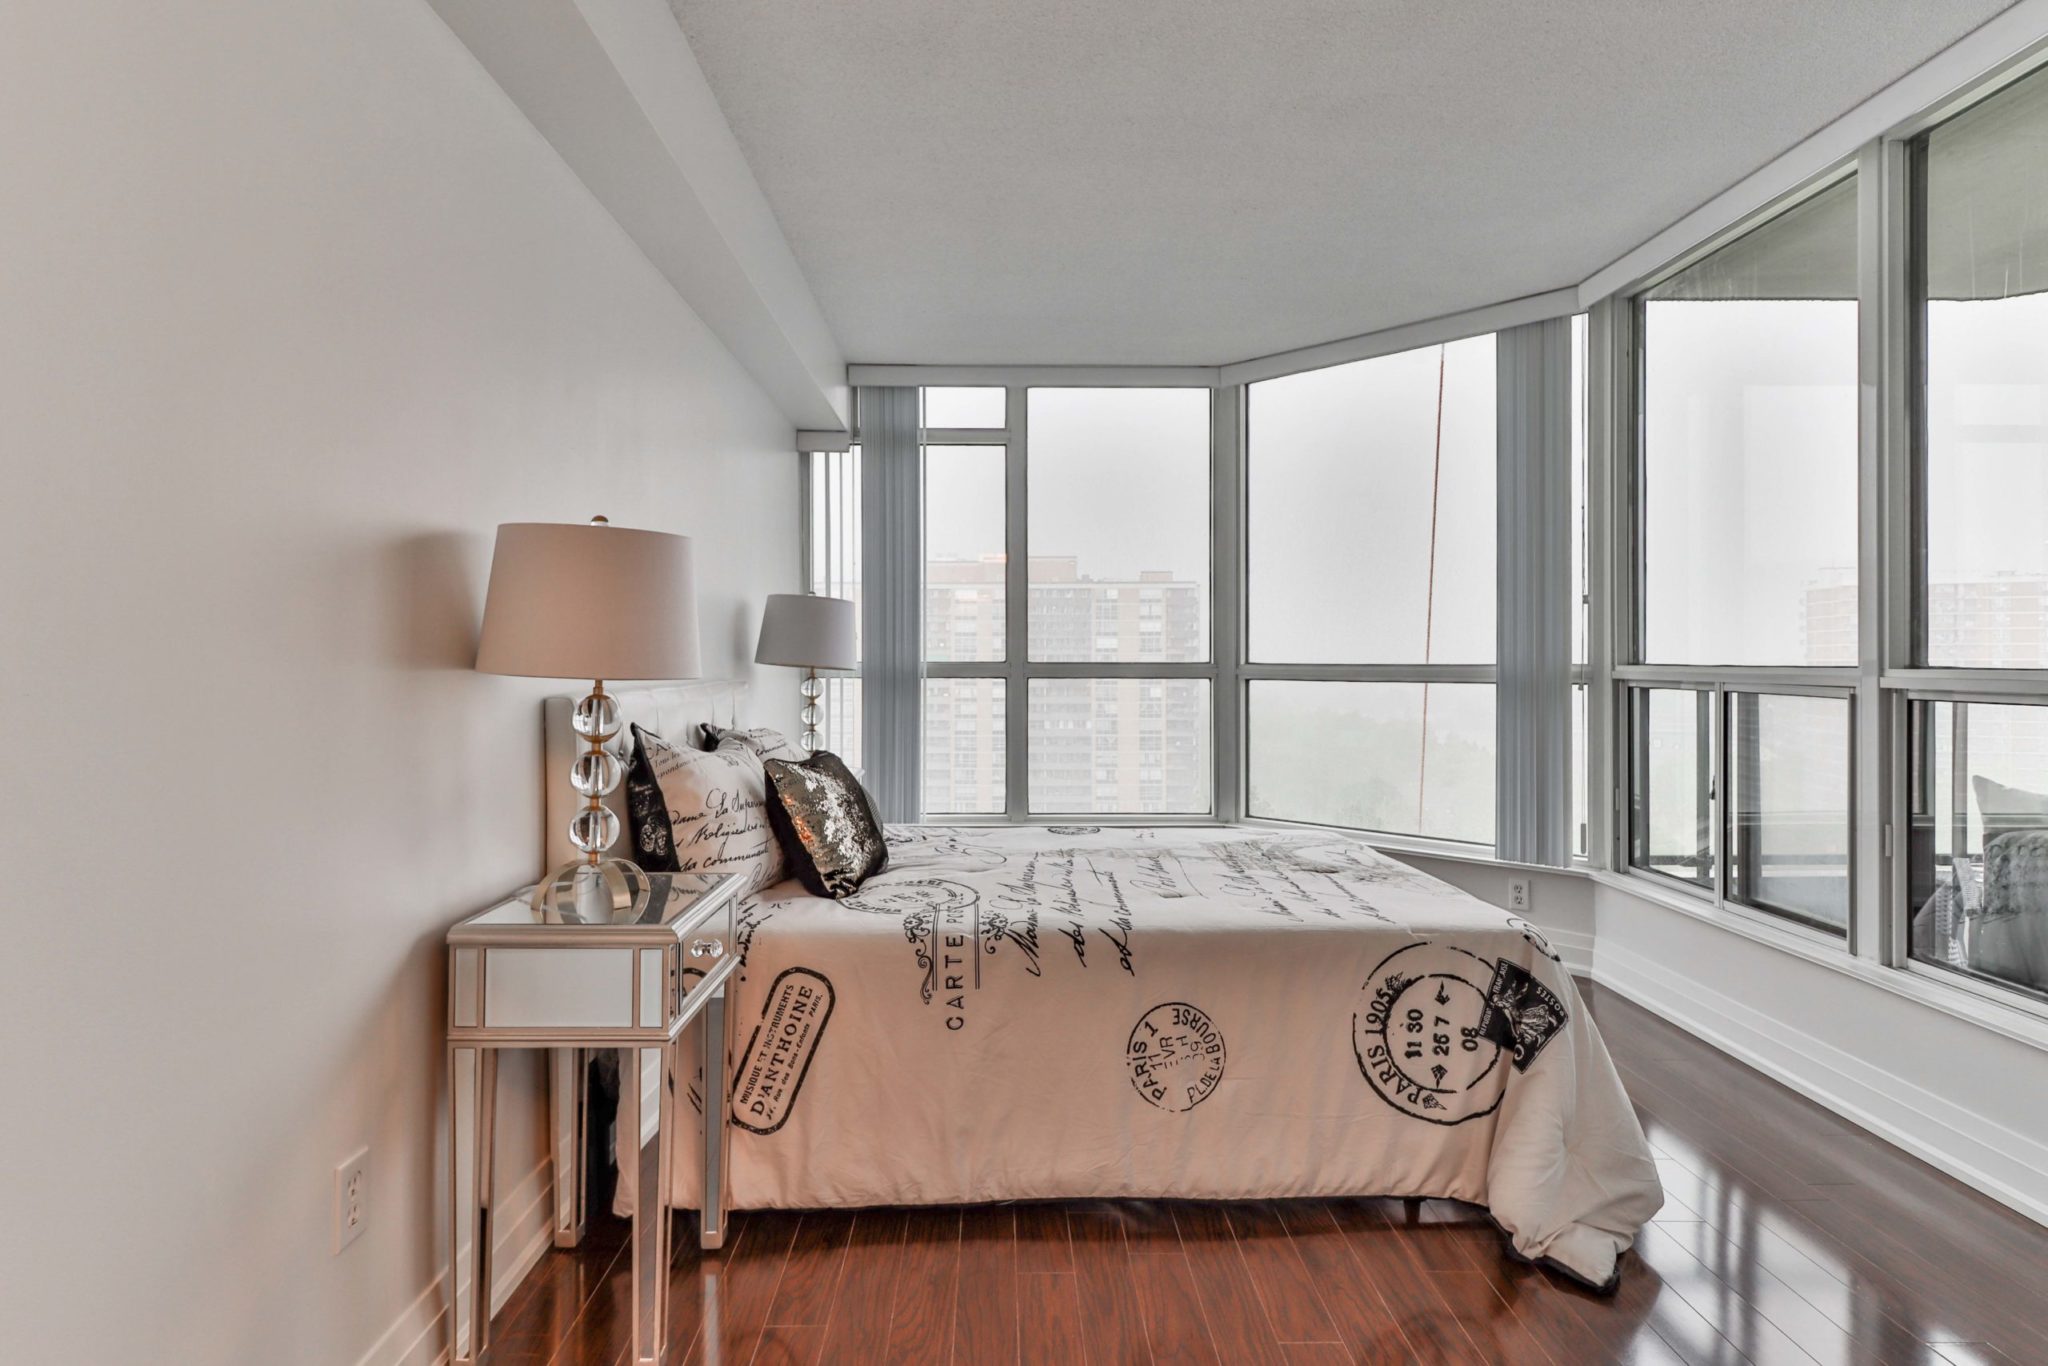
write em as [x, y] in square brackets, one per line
[351, 1197]
[1518, 894]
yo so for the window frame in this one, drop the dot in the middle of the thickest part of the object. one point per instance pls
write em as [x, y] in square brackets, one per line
[1622, 317]
[1728, 808]
[1891, 674]
[1019, 670]
[1251, 671]
[1228, 671]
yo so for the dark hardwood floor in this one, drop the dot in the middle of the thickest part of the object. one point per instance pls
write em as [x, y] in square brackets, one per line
[1788, 1235]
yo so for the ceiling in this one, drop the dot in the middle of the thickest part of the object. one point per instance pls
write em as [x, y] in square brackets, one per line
[1156, 182]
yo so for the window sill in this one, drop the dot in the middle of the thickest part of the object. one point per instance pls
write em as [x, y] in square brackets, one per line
[2014, 1018]
[1454, 850]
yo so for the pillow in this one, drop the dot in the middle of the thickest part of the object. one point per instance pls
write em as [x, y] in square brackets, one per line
[2006, 809]
[768, 742]
[2016, 875]
[827, 825]
[698, 811]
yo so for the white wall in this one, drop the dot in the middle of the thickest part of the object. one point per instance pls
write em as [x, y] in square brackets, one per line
[294, 307]
[1560, 903]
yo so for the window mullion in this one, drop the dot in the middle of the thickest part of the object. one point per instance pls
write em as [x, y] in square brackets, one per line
[1017, 611]
[1602, 756]
[1883, 304]
[1226, 614]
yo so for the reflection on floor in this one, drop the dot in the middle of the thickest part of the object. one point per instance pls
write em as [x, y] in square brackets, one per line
[1789, 1235]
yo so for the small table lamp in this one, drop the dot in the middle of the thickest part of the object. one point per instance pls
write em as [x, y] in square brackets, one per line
[802, 631]
[595, 602]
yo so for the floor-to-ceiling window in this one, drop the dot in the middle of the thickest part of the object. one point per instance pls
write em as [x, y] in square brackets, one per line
[1740, 666]
[1067, 602]
[831, 481]
[966, 599]
[1369, 594]
[1977, 789]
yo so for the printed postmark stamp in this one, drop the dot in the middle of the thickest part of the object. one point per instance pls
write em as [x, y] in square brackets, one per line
[1521, 1013]
[927, 895]
[778, 1055]
[1176, 1056]
[1418, 1034]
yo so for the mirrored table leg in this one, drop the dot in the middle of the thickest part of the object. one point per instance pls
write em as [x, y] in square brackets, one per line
[711, 1226]
[646, 1082]
[473, 1085]
[568, 1091]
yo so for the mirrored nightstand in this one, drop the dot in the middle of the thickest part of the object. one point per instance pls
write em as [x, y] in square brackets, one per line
[518, 978]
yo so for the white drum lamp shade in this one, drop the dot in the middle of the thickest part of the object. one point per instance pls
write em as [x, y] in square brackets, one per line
[805, 632]
[597, 601]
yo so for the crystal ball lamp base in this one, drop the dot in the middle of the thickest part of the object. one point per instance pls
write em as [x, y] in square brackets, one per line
[811, 689]
[594, 889]
[611, 891]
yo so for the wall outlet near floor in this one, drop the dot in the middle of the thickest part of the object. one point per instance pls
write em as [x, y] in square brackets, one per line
[1518, 894]
[351, 1197]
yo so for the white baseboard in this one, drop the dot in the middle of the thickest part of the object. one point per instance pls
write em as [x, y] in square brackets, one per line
[1574, 949]
[2004, 1164]
[525, 1231]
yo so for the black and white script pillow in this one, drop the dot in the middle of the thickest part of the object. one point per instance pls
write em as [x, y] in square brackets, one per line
[829, 833]
[766, 741]
[698, 811]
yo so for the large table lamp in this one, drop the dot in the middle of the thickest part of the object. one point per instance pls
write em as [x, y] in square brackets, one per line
[599, 602]
[804, 631]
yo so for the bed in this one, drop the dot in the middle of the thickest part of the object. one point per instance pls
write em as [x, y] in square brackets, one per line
[1016, 1013]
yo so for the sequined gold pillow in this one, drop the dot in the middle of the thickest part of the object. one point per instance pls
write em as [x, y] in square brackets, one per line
[830, 838]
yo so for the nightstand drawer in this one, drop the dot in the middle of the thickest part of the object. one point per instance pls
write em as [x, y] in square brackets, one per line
[515, 976]
[562, 989]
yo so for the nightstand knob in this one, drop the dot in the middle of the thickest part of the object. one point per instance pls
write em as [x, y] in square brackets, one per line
[707, 948]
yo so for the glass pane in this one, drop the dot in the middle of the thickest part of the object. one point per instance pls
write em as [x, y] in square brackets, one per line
[1977, 855]
[1579, 485]
[966, 407]
[1788, 784]
[1671, 821]
[840, 729]
[1370, 508]
[1749, 447]
[1581, 838]
[1986, 263]
[963, 746]
[1119, 745]
[1403, 758]
[1119, 525]
[832, 521]
[963, 548]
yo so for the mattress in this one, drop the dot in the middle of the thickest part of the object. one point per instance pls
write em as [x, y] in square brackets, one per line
[1026, 1013]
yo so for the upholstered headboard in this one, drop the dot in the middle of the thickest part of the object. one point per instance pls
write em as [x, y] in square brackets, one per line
[672, 710]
